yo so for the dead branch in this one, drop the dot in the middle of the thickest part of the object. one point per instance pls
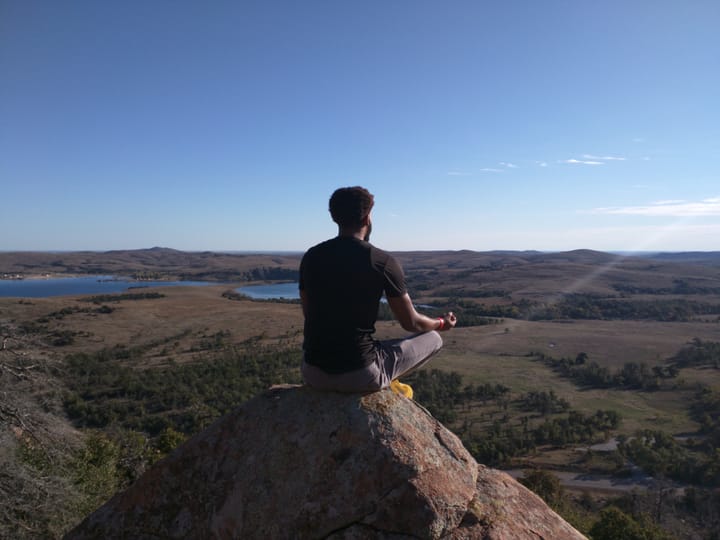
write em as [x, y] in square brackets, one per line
[12, 371]
[8, 414]
[5, 348]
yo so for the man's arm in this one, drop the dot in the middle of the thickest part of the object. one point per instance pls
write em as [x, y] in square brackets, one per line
[412, 321]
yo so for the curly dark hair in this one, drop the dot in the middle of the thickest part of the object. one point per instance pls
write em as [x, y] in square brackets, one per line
[350, 205]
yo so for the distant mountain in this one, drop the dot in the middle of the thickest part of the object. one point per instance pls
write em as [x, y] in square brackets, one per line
[156, 262]
[583, 256]
[524, 273]
[686, 256]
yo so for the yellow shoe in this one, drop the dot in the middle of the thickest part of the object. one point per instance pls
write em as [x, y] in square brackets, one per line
[402, 389]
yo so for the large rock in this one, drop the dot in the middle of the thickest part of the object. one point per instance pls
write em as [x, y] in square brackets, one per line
[297, 463]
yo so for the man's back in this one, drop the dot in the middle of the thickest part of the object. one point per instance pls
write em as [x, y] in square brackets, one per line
[344, 279]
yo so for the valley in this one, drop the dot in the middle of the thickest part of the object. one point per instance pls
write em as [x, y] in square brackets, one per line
[78, 367]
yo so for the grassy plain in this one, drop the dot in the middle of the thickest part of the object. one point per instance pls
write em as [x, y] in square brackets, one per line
[179, 324]
[492, 354]
[173, 326]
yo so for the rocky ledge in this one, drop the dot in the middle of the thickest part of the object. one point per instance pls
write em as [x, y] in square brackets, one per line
[297, 463]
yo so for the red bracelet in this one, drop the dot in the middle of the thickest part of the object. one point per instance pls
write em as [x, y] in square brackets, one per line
[442, 323]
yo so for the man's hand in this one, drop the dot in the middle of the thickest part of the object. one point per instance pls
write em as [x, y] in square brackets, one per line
[449, 321]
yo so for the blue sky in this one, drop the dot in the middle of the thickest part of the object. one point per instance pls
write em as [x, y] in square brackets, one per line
[479, 125]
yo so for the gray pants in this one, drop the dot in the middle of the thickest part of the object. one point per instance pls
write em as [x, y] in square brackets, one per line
[395, 357]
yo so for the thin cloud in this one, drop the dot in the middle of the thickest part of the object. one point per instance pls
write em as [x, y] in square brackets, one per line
[580, 162]
[670, 208]
[670, 201]
[508, 165]
[604, 158]
[457, 173]
[542, 163]
[488, 169]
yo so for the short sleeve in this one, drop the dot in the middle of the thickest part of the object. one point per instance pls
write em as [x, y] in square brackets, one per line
[394, 279]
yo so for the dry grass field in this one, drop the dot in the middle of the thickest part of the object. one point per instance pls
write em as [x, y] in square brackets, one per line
[490, 354]
[175, 326]
[610, 343]
[177, 321]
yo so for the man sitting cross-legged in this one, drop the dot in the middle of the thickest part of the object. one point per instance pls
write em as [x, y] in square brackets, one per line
[341, 283]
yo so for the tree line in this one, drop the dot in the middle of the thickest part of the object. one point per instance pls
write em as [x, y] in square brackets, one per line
[103, 392]
[590, 374]
[698, 353]
[680, 286]
[591, 307]
[661, 455]
[444, 395]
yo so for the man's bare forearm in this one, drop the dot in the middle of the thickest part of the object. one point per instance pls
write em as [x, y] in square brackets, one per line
[412, 321]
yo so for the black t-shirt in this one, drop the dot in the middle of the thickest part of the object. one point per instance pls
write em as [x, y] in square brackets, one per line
[343, 280]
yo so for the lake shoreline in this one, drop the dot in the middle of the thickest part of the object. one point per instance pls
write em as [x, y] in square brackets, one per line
[49, 285]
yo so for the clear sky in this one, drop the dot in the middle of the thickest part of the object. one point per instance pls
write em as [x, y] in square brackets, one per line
[226, 125]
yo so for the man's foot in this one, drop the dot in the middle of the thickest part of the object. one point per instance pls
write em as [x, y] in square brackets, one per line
[402, 389]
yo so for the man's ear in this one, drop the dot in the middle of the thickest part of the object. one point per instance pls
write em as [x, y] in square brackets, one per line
[365, 221]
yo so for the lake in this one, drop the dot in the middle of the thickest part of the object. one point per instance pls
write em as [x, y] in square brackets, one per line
[273, 291]
[43, 288]
[276, 291]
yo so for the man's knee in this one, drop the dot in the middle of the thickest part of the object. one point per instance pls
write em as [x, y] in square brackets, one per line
[426, 344]
[437, 339]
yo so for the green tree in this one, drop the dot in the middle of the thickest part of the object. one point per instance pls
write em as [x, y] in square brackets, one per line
[96, 471]
[168, 440]
[545, 484]
[614, 524]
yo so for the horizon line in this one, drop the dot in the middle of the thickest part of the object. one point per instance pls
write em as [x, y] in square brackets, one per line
[300, 251]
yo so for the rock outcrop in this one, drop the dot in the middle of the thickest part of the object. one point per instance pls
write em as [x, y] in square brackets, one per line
[297, 463]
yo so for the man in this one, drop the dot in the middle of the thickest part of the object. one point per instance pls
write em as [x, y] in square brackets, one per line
[341, 283]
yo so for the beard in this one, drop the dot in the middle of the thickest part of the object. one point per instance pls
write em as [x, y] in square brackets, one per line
[367, 234]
